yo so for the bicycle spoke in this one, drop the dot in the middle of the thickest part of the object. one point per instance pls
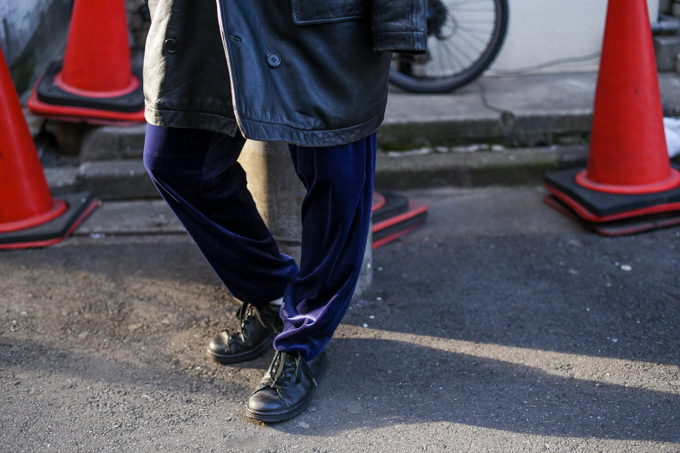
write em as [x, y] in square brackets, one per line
[465, 2]
[484, 41]
[461, 50]
[453, 55]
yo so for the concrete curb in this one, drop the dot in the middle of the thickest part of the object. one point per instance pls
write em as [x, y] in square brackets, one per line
[127, 179]
[538, 118]
[479, 168]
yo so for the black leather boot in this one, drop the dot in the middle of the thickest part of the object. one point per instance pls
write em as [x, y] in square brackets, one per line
[287, 387]
[257, 332]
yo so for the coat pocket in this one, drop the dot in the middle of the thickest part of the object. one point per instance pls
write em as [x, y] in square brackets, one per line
[308, 12]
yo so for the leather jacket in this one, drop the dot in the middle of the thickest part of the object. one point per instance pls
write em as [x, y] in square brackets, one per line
[309, 72]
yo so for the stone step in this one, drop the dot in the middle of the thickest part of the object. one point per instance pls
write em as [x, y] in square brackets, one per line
[462, 167]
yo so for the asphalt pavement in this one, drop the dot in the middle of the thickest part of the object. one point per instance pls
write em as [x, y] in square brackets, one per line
[499, 325]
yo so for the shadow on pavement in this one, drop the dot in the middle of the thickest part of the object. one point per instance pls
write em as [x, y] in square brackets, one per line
[78, 367]
[376, 383]
[575, 293]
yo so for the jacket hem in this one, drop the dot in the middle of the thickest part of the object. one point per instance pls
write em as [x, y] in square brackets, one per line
[400, 41]
[190, 120]
[268, 132]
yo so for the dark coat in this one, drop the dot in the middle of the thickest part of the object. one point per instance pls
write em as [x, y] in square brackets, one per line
[309, 72]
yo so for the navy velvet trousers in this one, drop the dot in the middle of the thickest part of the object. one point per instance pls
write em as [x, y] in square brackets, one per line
[197, 173]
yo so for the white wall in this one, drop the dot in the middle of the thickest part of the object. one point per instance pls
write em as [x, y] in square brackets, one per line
[541, 32]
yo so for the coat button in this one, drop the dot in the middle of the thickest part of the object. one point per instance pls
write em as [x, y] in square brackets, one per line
[171, 45]
[273, 60]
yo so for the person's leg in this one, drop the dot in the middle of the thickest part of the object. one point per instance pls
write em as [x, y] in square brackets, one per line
[336, 216]
[197, 174]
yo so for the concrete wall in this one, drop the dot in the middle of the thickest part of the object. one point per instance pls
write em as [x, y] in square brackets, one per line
[32, 33]
[545, 32]
[19, 19]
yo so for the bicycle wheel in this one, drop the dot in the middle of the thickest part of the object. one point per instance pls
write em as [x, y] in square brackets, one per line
[464, 37]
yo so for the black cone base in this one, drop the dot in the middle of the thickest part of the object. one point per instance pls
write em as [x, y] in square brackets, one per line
[79, 206]
[50, 93]
[621, 227]
[594, 206]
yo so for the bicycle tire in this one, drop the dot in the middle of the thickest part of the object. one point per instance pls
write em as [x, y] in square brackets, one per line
[402, 72]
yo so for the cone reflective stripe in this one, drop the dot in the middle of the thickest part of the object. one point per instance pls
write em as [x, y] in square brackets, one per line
[29, 216]
[393, 216]
[95, 82]
[629, 174]
[21, 173]
[628, 146]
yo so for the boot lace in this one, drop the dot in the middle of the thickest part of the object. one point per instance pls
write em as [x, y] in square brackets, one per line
[247, 314]
[286, 366]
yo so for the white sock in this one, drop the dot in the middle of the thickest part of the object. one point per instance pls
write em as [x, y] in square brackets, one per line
[276, 304]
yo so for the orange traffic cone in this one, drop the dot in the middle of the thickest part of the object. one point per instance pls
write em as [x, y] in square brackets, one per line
[95, 82]
[629, 174]
[29, 216]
